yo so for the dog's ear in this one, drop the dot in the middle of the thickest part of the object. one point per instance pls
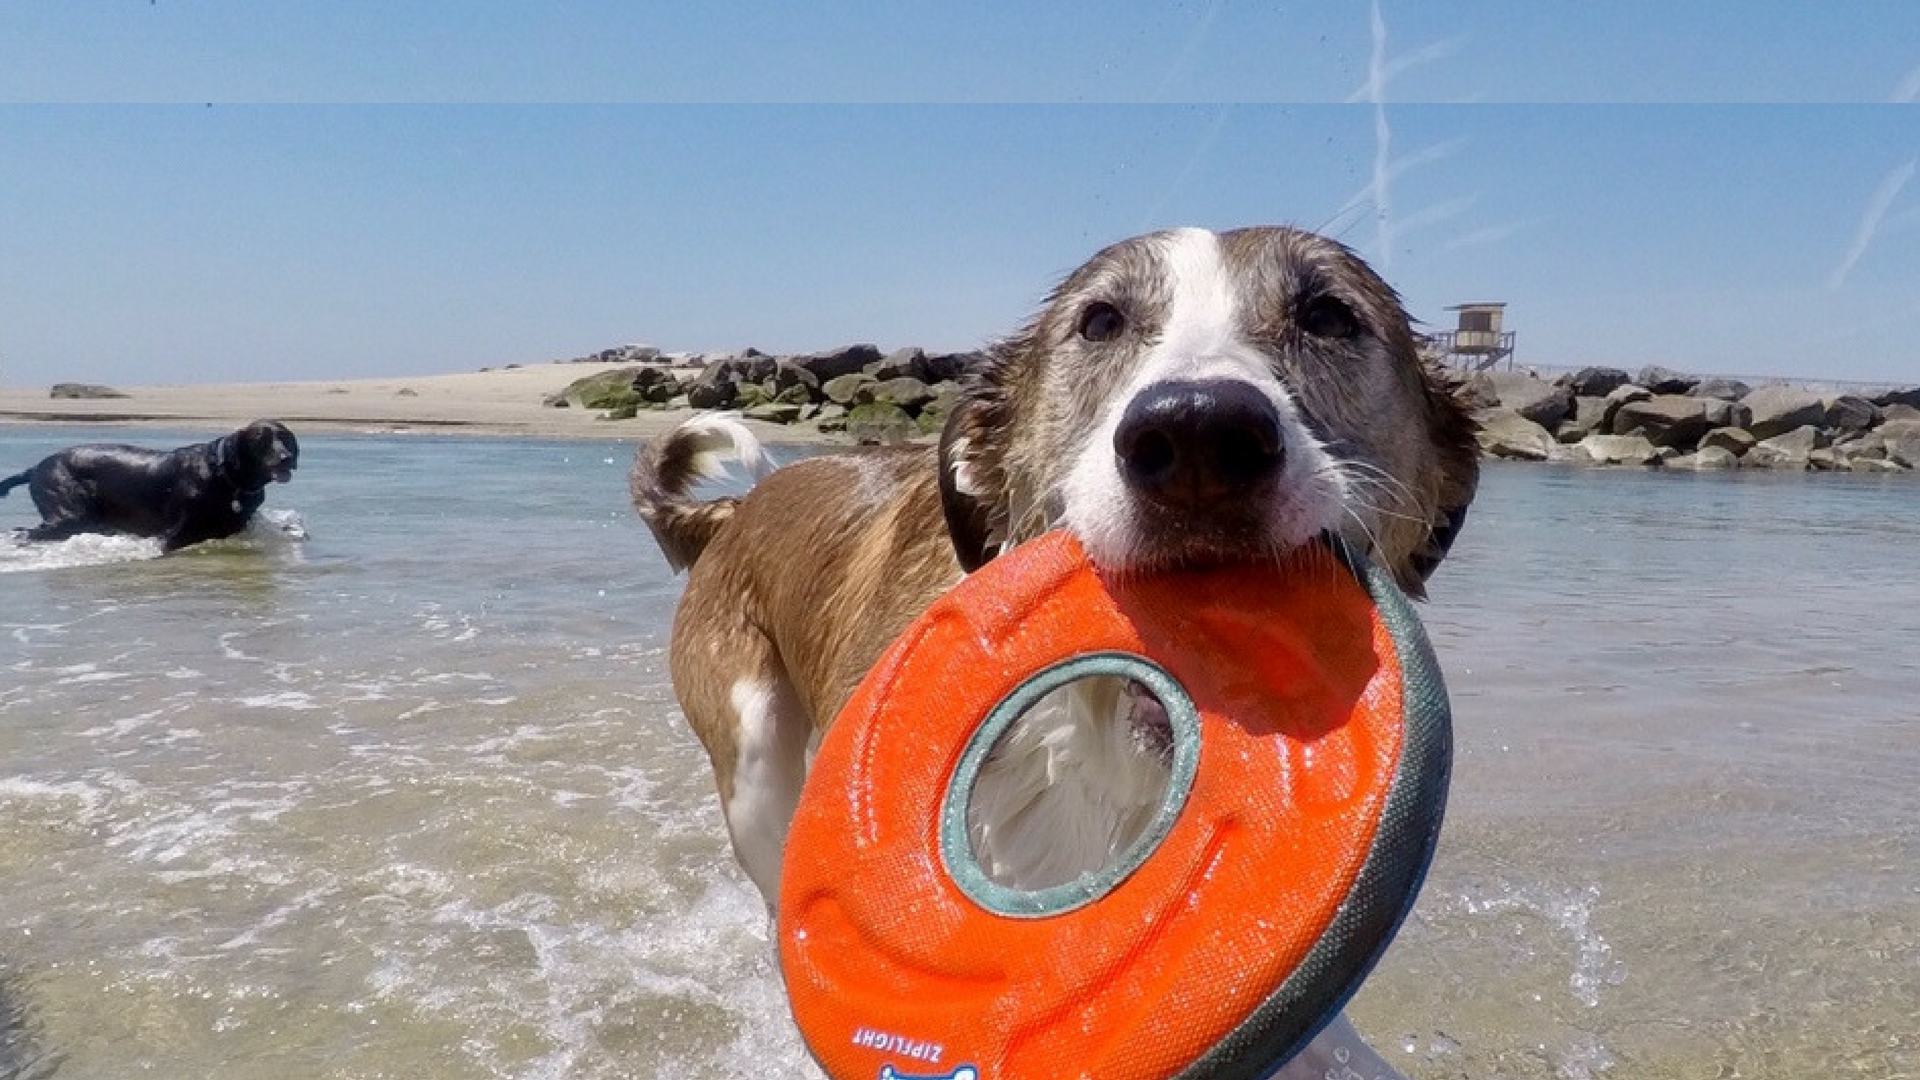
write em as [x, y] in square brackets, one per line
[972, 486]
[283, 435]
[1455, 437]
[225, 451]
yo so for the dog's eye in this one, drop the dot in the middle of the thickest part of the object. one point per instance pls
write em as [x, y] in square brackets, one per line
[1327, 317]
[1101, 321]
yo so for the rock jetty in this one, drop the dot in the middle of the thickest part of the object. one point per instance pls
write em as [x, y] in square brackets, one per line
[82, 391]
[1657, 418]
[857, 391]
[1665, 419]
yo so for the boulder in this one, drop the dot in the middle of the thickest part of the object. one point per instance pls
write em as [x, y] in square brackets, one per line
[941, 367]
[619, 389]
[1596, 381]
[1664, 419]
[1504, 433]
[906, 392]
[774, 412]
[1719, 386]
[1476, 392]
[1827, 459]
[1780, 409]
[1908, 396]
[1734, 440]
[1663, 380]
[837, 362]
[750, 366]
[796, 394]
[1849, 412]
[633, 354]
[1868, 445]
[1899, 411]
[1589, 413]
[719, 382]
[1864, 465]
[1621, 450]
[711, 393]
[83, 390]
[933, 415]
[1804, 439]
[1788, 450]
[1723, 413]
[1540, 401]
[788, 375]
[879, 423]
[1902, 441]
[845, 388]
[831, 417]
[746, 395]
[1709, 458]
[1618, 396]
[897, 364]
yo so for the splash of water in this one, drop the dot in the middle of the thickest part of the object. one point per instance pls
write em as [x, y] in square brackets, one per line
[17, 554]
[268, 529]
[1570, 913]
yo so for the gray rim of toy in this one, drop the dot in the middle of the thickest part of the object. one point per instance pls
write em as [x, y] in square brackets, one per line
[1390, 877]
[956, 846]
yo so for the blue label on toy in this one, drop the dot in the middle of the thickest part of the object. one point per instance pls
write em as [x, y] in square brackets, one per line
[964, 1072]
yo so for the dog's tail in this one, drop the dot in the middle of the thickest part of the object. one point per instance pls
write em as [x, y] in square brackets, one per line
[15, 481]
[665, 470]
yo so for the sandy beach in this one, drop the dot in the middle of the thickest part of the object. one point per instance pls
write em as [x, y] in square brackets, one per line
[505, 401]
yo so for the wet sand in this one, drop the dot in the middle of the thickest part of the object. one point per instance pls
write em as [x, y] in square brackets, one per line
[505, 401]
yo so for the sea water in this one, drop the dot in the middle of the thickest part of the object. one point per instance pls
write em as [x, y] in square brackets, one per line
[394, 786]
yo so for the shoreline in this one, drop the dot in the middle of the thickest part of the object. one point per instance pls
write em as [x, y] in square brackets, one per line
[504, 402]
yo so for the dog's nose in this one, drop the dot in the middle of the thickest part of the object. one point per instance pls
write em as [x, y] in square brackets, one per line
[1190, 444]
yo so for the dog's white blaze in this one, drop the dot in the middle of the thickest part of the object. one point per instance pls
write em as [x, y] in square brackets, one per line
[1200, 339]
[1199, 333]
[768, 772]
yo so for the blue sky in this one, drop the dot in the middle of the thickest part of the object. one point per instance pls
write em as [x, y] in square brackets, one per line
[1726, 190]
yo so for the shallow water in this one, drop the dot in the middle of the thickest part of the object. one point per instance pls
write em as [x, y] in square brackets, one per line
[409, 797]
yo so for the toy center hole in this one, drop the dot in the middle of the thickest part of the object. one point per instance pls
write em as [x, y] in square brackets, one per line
[1070, 784]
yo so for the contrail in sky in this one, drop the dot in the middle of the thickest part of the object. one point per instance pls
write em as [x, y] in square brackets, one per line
[1436, 152]
[1379, 189]
[1908, 89]
[1376, 90]
[1402, 64]
[1870, 220]
[1438, 212]
[1200, 152]
[1187, 52]
[1492, 234]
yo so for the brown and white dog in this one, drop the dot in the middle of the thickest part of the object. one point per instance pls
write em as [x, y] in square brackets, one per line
[1184, 398]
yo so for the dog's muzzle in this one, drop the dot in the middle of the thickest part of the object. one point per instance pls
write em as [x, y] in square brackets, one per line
[1192, 444]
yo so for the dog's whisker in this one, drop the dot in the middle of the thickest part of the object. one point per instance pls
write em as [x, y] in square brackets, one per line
[1366, 474]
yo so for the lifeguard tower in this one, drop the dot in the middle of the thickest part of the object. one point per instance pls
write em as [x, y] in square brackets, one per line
[1478, 343]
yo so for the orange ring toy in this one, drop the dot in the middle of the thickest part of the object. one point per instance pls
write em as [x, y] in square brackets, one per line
[1312, 744]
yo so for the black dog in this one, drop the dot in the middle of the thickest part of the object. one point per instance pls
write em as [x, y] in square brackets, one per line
[201, 492]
